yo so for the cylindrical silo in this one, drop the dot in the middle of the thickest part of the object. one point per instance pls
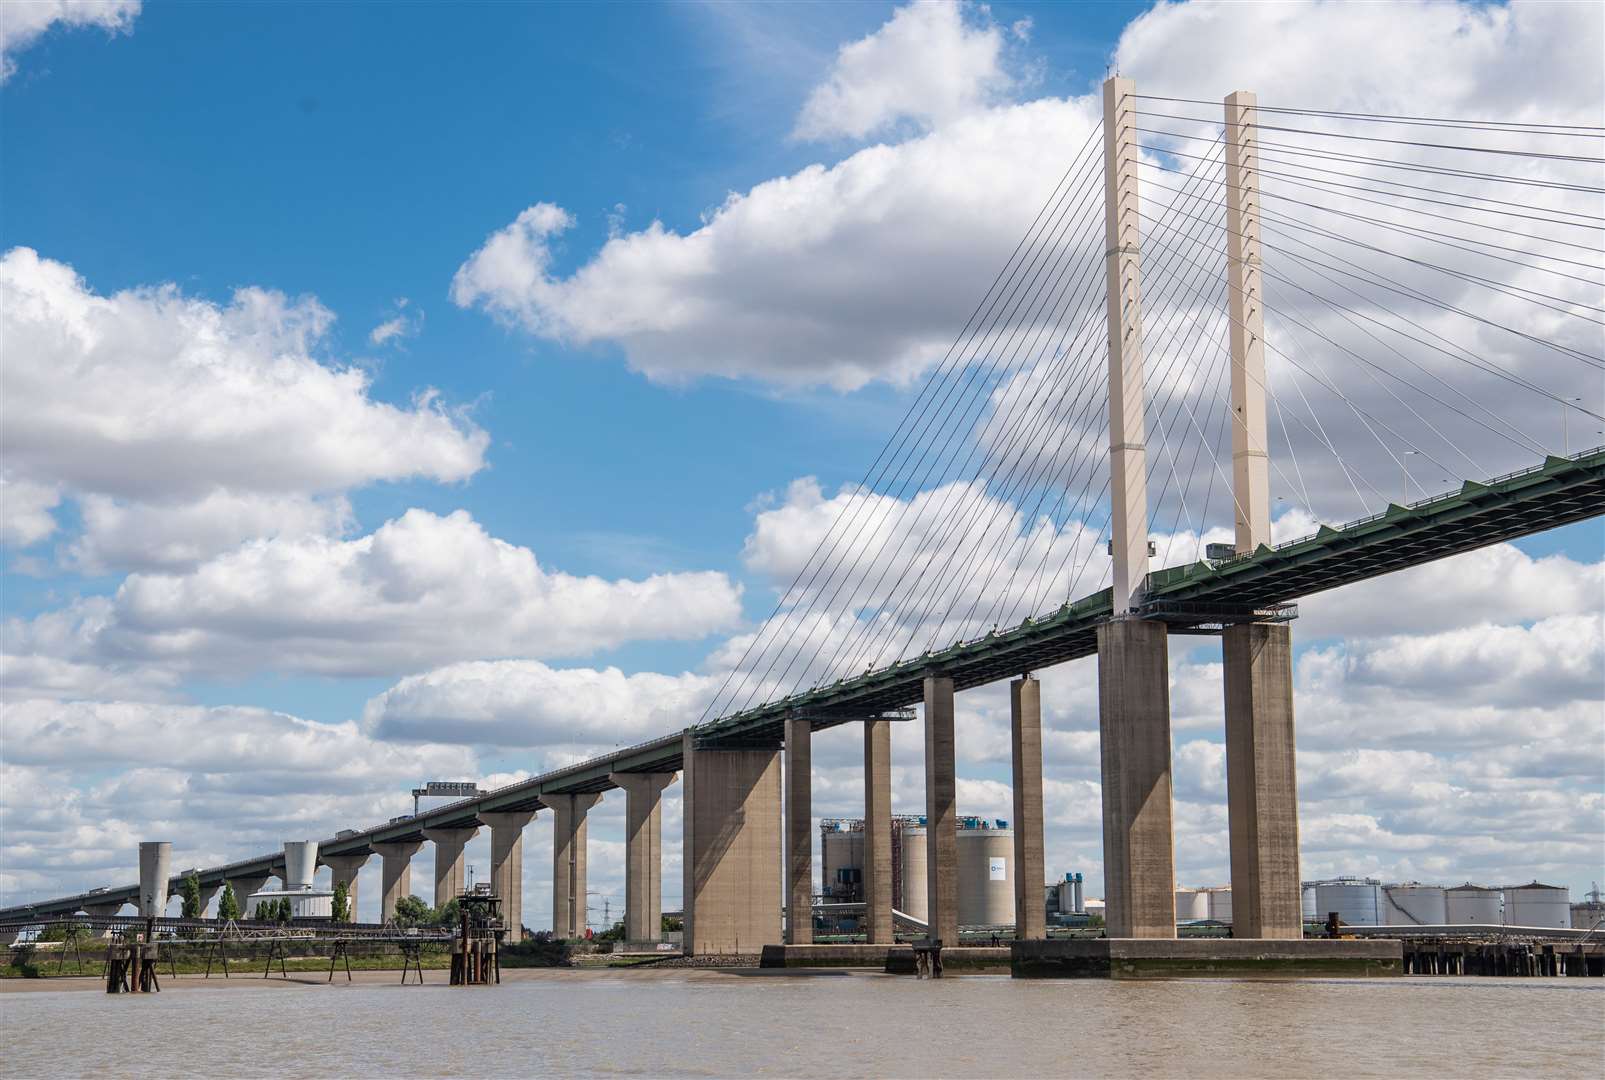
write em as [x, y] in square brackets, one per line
[841, 856]
[1357, 901]
[914, 905]
[300, 864]
[986, 877]
[1476, 905]
[1549, 906]
[1220, 904]
[1414, 904]
[1079, 902]
[155, 867]
[1307, 903]
[1192, 905]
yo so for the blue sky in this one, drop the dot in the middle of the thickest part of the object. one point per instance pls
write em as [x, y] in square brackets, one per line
[358, 158]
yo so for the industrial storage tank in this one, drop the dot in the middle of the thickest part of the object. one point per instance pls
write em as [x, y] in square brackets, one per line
[1220, 903]
[1414, 904]
[1357, 901]
[1549, 906]
[1192, 905]
[1477, 905]
[913, 850]
[1307, 903]
[986, 876]
[841, 849]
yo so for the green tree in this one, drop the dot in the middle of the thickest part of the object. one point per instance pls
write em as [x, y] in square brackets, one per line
[411, 911]
[286, 909]
[191, 892]
[340, 906]
[447, 915]
[228, 905]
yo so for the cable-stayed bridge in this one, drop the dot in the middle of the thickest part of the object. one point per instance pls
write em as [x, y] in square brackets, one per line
[1266, 320]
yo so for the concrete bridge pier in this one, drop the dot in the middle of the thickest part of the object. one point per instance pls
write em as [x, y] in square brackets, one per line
[568, 861]
[1025, 724]
[941, 813]
[208, 894]
[878, 832]
[449, 844]
[1139, 859]
[731, 853]
[396, 864]
[1262, 781]
[244, 886]
[343, 870]
[643, 853]
[799, 832]
[507, 865]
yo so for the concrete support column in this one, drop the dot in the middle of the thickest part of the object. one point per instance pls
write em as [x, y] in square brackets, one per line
[1030, 903]
[568, 861]
[396, 862]
[507, 865]
[208, 892]
[243, 888]
[731, 854]
[799, 833]
[343, 870]
[449, 844]
[1261, 782]
[1139, 857]
[155, 872]
[878, 832]
[941, 813]
[643, 853]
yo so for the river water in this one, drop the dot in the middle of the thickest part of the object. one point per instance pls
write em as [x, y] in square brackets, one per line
[699, 1023]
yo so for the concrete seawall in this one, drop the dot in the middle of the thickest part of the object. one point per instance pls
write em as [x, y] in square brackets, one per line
[1159, 958]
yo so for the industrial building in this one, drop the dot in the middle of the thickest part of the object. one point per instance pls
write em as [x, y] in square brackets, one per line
[985, 867]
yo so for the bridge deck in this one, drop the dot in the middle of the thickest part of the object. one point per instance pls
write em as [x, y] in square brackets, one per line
[1558, 492]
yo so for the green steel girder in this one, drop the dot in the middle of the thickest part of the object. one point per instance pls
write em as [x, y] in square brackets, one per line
[1558, 492]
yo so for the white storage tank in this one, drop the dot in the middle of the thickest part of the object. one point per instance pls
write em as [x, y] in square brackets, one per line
[1414, 904]
[1220, 904]
[1549, 906]
[1475, 905]
[913, 903]
[1192, 905]
[986, 876]
[1357, 901]
[1307, 903]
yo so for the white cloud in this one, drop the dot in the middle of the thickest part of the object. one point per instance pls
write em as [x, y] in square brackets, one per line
[25, 507]
[196, 410]
[403, 324]
[221, 783]
[836, 276]
[23, 23]
[144, 536]
[419, 591]
[524, 703]
[928, 64]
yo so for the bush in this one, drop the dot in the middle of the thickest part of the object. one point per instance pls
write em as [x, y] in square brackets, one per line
[541, 950]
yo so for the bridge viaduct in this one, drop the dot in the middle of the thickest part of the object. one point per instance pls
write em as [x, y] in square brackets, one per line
[747, 843]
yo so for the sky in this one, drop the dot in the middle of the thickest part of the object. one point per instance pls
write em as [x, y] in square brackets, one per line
[411, 392]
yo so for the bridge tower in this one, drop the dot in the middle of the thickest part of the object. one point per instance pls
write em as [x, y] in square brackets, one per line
[1133, 658]
[1261, 784]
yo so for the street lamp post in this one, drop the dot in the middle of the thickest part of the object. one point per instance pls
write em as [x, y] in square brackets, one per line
[1404, 469]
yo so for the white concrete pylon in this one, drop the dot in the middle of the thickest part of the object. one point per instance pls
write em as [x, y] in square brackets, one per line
[1128, 455]
[1246, 323]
